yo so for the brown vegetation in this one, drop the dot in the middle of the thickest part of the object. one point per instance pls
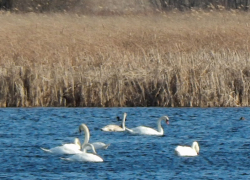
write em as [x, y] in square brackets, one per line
[117, 6]
[174, 59]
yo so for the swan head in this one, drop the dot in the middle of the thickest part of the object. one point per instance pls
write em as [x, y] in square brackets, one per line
[124, 116]
[196, 147]
[242, 118]
[77, 142]
[165, 118]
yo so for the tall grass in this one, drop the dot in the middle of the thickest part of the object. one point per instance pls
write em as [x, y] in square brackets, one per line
[173, 60]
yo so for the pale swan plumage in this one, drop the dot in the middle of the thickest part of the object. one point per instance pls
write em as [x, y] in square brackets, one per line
[66, 148]
[84, 156]
[142, 130]
[187, 150]
[116, 128]
[97, 145]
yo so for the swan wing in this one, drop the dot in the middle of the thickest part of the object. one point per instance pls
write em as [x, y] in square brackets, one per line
[100, 145]
[185, 151]
[64, 149]
[112, 127]
[84, 157]
[71, 146]
[142, 130]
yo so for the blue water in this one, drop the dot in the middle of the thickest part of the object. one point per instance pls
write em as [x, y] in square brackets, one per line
[224, 143]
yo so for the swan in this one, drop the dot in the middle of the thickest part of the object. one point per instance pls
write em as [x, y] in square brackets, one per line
[84, 156]
[97, 145]
[66, 148]
[187, 150]
[142, 130]
[113, 127]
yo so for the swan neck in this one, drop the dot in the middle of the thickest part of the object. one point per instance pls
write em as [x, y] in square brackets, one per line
[159, 125]
[93, 148]
[195, 146]
[77, 142]
[84, 147]
[86, 134]
[123, 121]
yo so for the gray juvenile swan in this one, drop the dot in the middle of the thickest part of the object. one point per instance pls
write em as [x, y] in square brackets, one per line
[116, 128]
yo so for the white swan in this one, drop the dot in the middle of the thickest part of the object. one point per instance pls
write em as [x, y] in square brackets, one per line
[113, 127]
[187, 150]
[84, 156]
[66, 148]
[97, 145]
[142, 130]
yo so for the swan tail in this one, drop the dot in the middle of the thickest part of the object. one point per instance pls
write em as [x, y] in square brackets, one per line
[105, 129]
[106, 147]
[65, 159]
[46, 150]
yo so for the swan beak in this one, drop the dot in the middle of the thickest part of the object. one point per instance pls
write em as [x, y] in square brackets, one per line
[167, 122]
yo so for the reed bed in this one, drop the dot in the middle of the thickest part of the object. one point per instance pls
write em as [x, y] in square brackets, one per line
[192, 59]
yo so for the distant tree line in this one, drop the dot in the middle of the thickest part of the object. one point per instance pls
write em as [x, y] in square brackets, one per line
[6, 4]
[204, 4]
[67, 5]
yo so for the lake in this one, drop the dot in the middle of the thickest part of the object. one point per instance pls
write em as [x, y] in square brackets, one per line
[223, 138]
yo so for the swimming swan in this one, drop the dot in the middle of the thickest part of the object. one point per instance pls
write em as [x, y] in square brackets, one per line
[97, 145]
[66, 148]
[142, 130]
[113, 127]
[84, 156]
[187, 150]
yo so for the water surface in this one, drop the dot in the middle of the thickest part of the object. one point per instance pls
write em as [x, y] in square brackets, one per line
[223, 138]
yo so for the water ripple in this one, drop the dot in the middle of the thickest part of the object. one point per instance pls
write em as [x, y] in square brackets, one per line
[222, 136]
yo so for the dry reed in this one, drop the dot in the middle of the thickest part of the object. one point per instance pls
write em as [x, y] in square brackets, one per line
[188, 59]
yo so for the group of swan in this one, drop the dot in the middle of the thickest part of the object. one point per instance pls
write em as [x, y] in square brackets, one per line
[79, 152]
[84, 156]
[142, 130]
